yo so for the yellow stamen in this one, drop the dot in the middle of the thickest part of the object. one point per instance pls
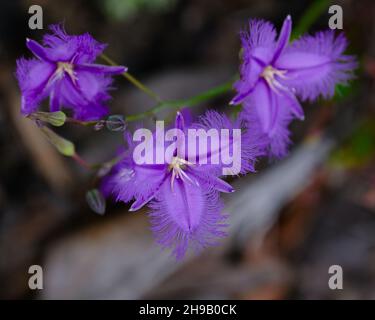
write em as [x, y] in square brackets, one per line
[68, 68]
[177, 167]
[269, 74]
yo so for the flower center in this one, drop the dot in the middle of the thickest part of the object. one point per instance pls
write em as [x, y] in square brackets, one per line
[177, 167]
[68, 68]
[269, 74]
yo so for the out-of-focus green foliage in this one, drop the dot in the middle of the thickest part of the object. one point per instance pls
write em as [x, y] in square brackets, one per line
[359, 149]
[311, 14]
[124, 9]
[342, 91]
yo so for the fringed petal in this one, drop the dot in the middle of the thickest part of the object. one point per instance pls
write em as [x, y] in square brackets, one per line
[187, 217]
[73, 48]
[33, 77]
[260, 33]
[315, 64]
[250, 146]
[128, 181]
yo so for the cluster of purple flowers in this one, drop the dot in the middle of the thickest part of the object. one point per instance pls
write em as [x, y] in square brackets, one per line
[183, 196]
[186, 210]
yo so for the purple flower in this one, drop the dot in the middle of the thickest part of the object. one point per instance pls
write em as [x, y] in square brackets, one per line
[274, 73]
[63, 70]
[184, 197]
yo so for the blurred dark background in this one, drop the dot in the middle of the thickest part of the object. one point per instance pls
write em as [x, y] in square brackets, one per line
[290, 221]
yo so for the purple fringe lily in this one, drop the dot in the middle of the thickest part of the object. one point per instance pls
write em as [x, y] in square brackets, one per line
[63, 70]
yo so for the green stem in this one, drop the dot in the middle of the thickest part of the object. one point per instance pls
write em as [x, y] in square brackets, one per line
[133, 80]
[82, 123]
[190, 102]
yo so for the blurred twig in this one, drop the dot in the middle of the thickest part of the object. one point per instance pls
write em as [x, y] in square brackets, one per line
[43, 155]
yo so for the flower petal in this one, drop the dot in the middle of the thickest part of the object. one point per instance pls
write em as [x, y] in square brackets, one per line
[214, 182]
[179, 121]
[258, 43]
[37, 50]
[70, 95]
[143, 200]
[92, 86]
[187, 217]
[265, 103]
[283, 40]
[244, 89]
[86, 95]
[315, 64]
[54, 98]
[128, 181]
[77, 49]
[98, 68]
[260, 33]
[33, 78]
[276, 141]
[292, 102]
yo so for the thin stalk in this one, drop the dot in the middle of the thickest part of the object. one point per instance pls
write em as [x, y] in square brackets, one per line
[189, 102]
[82, 123]
[134, 80]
